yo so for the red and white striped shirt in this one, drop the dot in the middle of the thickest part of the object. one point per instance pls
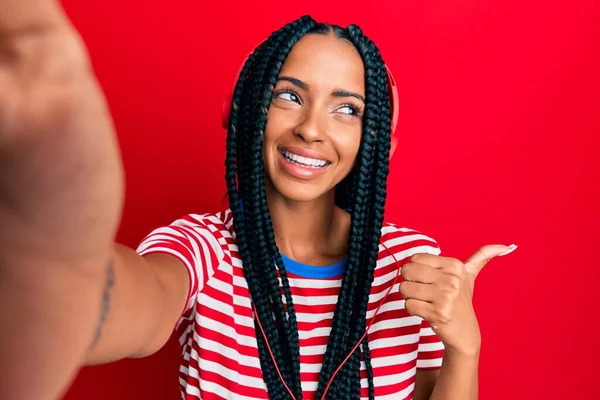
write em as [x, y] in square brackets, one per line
[216, 330]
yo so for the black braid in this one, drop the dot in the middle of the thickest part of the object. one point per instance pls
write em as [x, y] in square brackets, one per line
[258, 259]
[236, 192]
[367, 189]
[235, 164]
[364, 190]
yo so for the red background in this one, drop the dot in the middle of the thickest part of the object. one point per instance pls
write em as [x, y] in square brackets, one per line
[498, 143]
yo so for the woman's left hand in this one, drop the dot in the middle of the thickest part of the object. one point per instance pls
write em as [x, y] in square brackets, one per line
[440, 290]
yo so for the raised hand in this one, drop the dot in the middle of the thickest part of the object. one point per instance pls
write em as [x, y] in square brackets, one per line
[440, 290]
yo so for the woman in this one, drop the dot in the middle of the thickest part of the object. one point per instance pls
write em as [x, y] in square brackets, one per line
[292, 292]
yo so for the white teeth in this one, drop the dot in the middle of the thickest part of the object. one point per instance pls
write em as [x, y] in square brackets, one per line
[305, 161]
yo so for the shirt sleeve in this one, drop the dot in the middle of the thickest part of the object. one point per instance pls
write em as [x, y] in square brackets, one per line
[431, 348]
[191, 241]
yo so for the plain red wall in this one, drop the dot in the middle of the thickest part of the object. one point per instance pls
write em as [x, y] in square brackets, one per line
[499, 135]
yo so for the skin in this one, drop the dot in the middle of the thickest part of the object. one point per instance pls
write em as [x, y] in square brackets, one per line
[60, 168]
[308, 226]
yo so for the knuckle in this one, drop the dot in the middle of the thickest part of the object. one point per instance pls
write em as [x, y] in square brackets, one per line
[450, 285]
[454, 283]
[443, 314]
[449, 300]
[405, 270]
[403, 287]
[456, 266]
[444, 319]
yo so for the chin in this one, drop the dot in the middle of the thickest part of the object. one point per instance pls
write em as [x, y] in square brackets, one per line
[293, 190]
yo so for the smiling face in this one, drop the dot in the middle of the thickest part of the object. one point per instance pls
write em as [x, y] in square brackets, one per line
[314, 123]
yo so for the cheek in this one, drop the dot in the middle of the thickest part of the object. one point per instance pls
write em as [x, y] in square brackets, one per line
[273, 131]
[279, 121]
[349, 147]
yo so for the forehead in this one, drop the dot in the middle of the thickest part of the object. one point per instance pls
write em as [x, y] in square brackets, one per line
[324, 61]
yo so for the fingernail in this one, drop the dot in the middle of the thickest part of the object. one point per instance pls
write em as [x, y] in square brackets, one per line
[511, 248]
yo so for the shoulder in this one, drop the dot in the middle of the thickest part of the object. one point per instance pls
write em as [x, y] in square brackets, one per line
[399, 239]
[217, 224]
[214, 221]
[194, 232]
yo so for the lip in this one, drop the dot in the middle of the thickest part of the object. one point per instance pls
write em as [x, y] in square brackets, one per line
[299, 172]
[304, 153]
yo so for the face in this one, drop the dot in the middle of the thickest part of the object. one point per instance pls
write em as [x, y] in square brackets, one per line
[314, 123]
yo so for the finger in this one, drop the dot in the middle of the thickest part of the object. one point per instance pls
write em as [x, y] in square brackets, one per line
[419, 273]
[419, 308]
[481, 257]
[448, 263]
[428, 259]
[417, 291]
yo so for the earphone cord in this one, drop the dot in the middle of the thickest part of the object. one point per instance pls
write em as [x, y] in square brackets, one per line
[353, 349]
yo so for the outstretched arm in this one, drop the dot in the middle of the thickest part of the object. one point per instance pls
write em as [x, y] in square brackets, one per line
[68, 295]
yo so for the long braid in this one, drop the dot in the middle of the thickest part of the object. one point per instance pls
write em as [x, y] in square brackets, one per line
[363, 190]
[377, 75]
[289, 344]
[293, 349]
[348, 378]
[370, 186]
[347, 298]
[276, 329]
[339, 340]
[235, 163]
[281, 333]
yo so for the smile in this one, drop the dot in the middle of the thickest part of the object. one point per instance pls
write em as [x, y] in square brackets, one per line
[302, 167]
[303, 161]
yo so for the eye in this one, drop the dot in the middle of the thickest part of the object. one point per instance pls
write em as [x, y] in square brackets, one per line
[350, 109]
[288, 95]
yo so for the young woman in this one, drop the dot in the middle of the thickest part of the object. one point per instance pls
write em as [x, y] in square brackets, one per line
[298, 289]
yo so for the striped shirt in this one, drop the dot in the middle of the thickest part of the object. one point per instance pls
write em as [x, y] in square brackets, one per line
[216, 330]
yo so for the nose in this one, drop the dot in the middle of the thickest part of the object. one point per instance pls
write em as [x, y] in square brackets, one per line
[311, 128]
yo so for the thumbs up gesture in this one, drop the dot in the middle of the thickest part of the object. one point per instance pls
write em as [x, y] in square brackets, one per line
[440, 290]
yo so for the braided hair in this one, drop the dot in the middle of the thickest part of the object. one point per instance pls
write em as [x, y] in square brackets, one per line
[363, 191]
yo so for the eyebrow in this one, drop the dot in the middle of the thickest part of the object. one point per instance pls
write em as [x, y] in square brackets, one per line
[345, 93]
[295, 81]
[336, 93]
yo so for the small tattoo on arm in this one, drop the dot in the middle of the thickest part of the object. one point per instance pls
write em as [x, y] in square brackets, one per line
[106, 294]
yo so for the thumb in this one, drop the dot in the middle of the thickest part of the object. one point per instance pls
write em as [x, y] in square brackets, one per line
[481, 257]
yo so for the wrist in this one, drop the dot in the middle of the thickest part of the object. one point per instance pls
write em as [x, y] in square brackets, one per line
[468, 346]
[464, 353]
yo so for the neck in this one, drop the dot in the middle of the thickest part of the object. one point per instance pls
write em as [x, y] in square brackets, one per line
[312, 232]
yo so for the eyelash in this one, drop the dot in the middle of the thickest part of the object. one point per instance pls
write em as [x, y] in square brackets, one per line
[357, 110]
[286, 90]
